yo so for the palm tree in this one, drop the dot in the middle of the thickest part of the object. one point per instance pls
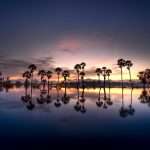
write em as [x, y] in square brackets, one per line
[32, 68]
[83, 64]
[42, 73]
[104, 69]
[121, 63]
[108, 72]
[148, 77]
[66, 75]
[99, 72]
[142, 75]
[49, 76]
[129, 64]
[27, 76]
[82, 74]
[77, 67]
[58, 70]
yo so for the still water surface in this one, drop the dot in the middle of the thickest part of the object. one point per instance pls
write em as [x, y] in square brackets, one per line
[93, 118]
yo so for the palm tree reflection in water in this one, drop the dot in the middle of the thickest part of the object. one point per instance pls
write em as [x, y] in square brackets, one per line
[123, 111]
[57, 102]
[65, 98]
[131, 110]
[82, 100]
[77, 107]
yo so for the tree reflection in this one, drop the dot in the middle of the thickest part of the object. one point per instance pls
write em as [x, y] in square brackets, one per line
[27, 99]
[99, 103]
[77, 107]
[145, 97]
[30, 105]
[57, 102]
[123, 110]
[65, 98]
[82, 101]
[41, 99]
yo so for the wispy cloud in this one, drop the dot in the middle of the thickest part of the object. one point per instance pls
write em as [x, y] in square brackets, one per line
[13, 66]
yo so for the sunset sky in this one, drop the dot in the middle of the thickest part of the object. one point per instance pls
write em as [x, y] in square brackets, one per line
[62, 33]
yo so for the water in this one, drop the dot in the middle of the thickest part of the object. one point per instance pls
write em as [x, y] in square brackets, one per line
[24, 121]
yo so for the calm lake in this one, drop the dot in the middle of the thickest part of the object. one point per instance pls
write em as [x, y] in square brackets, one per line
[122, 116]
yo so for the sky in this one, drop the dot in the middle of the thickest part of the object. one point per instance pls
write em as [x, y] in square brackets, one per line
[63, 33]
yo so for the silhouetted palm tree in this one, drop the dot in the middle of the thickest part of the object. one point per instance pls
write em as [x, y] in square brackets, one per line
[104, 69]
[27, 76]
[77, 67]
[58, 70]
[49, 75]
[83, 64]
[148, 77]
[142, 75]
[82, 74]
[42, 74]
[65, 74]
[108, 72]
[121, 63]
[129, 64]
[32, 68]
[99, 72]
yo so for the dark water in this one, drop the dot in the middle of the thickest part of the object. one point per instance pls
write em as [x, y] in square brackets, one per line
[123, 121]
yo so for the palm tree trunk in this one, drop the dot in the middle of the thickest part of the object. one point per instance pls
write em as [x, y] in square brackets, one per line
[48, 87]
[31, 84]
[78, 82]
[130, 78]
[65, 87]
[99, 81]
[121, 77]
[58, 81]
[26, 87]
[109, 86]
[104, 88]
